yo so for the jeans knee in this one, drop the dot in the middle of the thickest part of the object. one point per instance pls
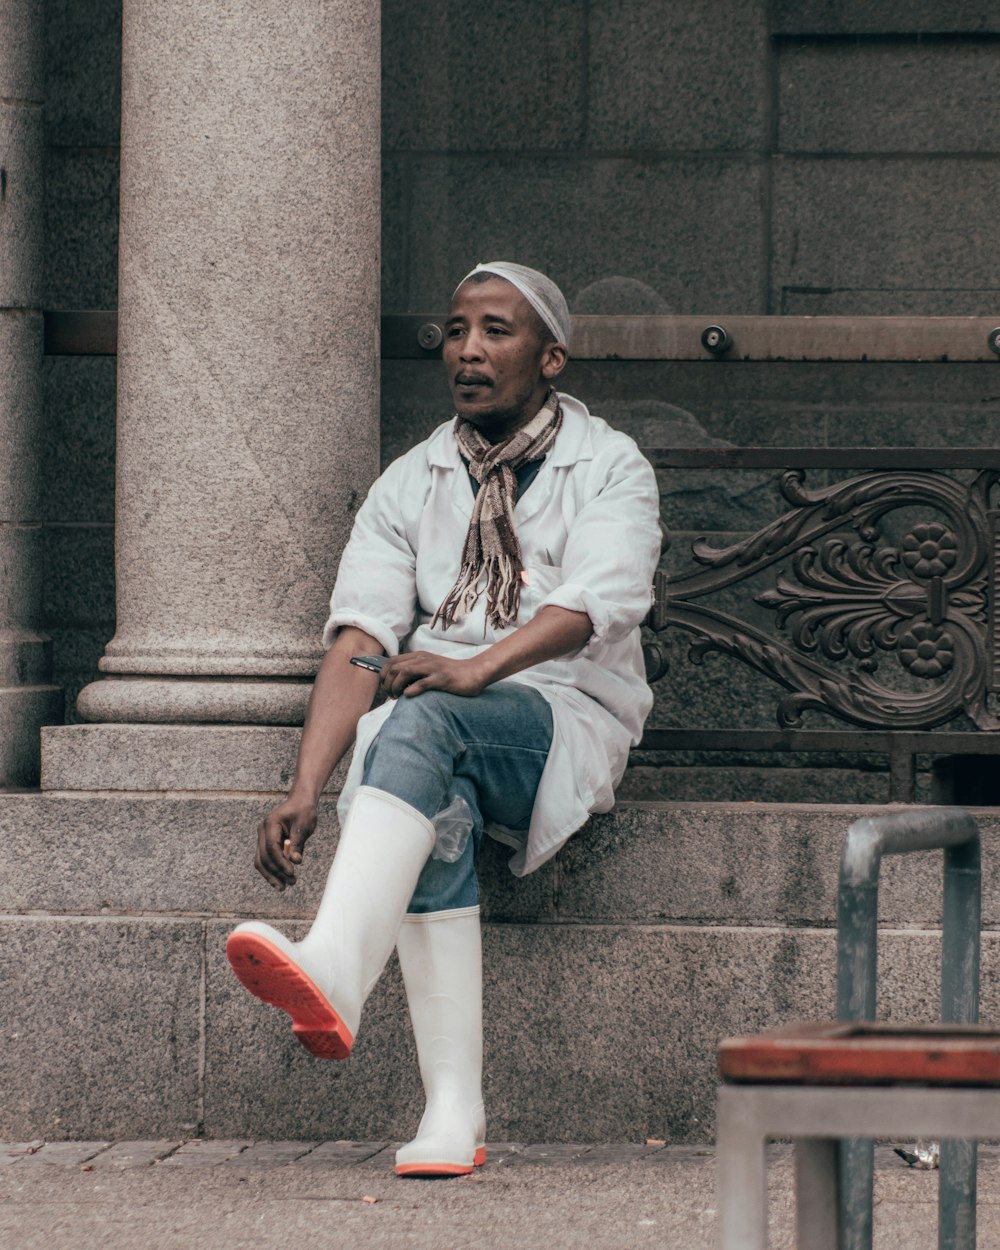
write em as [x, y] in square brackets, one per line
[425, 717]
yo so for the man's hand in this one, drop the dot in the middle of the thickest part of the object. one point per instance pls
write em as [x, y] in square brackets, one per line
[281, 839]
[341, 695]
[416, 671]
[554, 632]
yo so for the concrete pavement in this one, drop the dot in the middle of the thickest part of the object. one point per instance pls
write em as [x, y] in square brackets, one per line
[238, 1195]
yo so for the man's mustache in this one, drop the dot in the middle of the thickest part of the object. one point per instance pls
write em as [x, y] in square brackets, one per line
[472, 379]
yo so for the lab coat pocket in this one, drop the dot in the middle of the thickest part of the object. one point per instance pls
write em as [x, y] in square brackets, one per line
[537, 583]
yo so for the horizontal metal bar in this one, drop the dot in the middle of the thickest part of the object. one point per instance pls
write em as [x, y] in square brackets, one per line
[872, 339]
[749, 338]
[81, 332]
[929, 458]
[775, 1110]
[923, 742]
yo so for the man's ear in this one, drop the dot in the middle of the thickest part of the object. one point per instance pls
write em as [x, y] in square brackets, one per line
[554, 358]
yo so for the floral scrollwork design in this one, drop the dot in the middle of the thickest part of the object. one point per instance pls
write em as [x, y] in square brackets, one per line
[930, 550]
[847, 596]
[926, 650]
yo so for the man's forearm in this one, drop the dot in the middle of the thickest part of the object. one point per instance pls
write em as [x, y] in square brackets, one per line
[554, 632]
[341, 695]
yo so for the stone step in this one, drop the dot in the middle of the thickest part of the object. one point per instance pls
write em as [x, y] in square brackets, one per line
[759, 783]
[189, 853]
[171, 757]
[262, 758]
[610, 974]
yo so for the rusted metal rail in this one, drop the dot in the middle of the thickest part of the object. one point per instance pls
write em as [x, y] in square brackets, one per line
[739, 338]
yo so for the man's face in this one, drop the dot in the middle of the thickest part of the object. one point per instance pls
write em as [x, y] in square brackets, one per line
[498, 364]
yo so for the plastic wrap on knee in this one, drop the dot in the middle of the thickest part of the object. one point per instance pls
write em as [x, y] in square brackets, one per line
[452, 826]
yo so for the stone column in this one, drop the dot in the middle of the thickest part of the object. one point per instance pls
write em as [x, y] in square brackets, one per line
[248, 348]
[27, 700]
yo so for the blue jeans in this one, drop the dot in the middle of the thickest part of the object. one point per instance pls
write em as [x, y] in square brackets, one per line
[489, 750]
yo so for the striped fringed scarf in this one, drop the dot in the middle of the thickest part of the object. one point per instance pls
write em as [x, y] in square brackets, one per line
[491, 544]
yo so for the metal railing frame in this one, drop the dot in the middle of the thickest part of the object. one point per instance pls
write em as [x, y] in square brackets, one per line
[898, 833]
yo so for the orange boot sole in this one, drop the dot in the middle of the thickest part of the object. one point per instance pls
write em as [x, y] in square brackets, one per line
[272, 977]
[442, 1169]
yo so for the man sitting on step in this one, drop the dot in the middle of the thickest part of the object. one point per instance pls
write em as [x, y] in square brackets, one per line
[504, 567]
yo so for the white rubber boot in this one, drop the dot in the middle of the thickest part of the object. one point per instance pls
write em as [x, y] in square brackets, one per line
[441, 958]
[323, 981]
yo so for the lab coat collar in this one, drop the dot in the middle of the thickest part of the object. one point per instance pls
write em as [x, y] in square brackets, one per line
[573, 443]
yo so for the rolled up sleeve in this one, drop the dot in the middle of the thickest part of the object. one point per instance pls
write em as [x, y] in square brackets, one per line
[375, 589]
[612, 548]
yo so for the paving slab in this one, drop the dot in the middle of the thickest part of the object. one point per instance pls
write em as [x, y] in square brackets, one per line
[623, 1152]
[63, 1153]
[205, 1154]
[616, 1196]
[267, 1154]
[556, 1154]
[14, 1151]
[136, 1154]
[341, 1153]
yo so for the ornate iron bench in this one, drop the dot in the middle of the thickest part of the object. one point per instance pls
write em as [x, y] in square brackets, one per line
[883, 589]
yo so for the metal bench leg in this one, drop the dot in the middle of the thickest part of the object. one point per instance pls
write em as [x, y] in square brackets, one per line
[816, 1194]
[741, 1173]
[959, 1005]
[857, 1175]
[957, 1196]
[868, 840]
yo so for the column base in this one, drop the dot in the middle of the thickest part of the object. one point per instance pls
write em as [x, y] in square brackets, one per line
[164, 700]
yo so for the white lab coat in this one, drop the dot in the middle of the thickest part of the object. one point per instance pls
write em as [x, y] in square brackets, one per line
[590, 540]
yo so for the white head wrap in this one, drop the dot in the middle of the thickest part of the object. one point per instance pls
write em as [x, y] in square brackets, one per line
[541, 293]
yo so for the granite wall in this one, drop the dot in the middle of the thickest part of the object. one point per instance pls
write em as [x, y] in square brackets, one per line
[705, 158]
[610, 974]
[690, 157]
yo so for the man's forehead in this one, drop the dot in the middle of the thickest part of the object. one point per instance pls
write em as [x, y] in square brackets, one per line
[495, 296]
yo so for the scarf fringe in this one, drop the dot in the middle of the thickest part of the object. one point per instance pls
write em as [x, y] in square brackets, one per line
[459, 601]
[503, 593]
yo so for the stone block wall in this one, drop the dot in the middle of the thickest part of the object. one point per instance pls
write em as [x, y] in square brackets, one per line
[686, 157]
[610, 974]
[821, 158]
